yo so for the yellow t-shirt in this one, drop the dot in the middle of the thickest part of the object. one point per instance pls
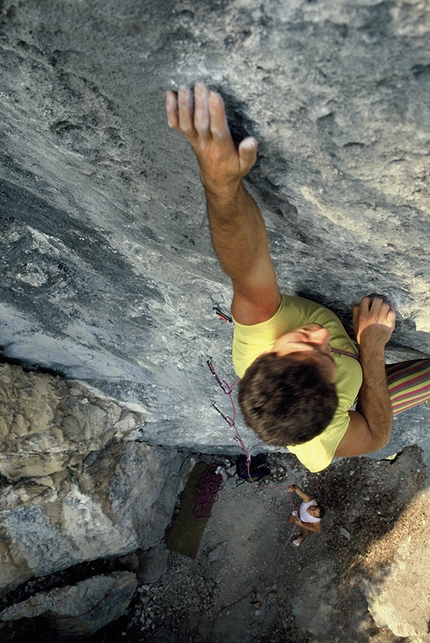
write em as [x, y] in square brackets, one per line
[250, 341]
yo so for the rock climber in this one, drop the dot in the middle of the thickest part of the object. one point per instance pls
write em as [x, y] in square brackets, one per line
[308, 516]
[300, 372]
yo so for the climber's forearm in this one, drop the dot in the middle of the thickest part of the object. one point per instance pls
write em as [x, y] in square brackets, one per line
[302, 494]
[373, 401]
[240, 238]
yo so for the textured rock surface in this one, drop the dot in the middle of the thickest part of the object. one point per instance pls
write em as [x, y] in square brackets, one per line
[108, 275]
[47, 424]
[81, 609]
[74, 485]
[399, 594]
[249, 585]
[108, 271]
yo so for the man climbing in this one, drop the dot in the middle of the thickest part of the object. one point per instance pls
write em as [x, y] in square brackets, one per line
[308, 516]
[300, 371]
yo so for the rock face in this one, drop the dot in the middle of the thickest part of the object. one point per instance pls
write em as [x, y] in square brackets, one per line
[81, 609]
[75, 484]
[47, 425]
[108, 272]
[399, 594]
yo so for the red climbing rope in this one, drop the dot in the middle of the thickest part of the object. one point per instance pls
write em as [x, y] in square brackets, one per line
[231, 421]
[254, 587]
[205, 493]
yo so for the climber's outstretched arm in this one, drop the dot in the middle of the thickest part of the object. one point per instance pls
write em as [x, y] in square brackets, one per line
[238, 231]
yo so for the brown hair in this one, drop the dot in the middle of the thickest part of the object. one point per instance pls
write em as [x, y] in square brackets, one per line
[321, 510]
[287, 399]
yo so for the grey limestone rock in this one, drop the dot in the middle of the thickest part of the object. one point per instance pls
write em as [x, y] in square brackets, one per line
[47, 424]
[80, 609]
[153, 563]
[109, 276]
[398, 594]
[75, 486]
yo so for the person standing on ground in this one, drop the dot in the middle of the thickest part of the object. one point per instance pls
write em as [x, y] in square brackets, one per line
[300, 372]
[308, 516]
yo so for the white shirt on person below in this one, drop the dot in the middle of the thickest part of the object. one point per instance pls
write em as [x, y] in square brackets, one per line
[304, 515]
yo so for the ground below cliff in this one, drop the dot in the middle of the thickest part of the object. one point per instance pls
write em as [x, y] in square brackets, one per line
[247, 584]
